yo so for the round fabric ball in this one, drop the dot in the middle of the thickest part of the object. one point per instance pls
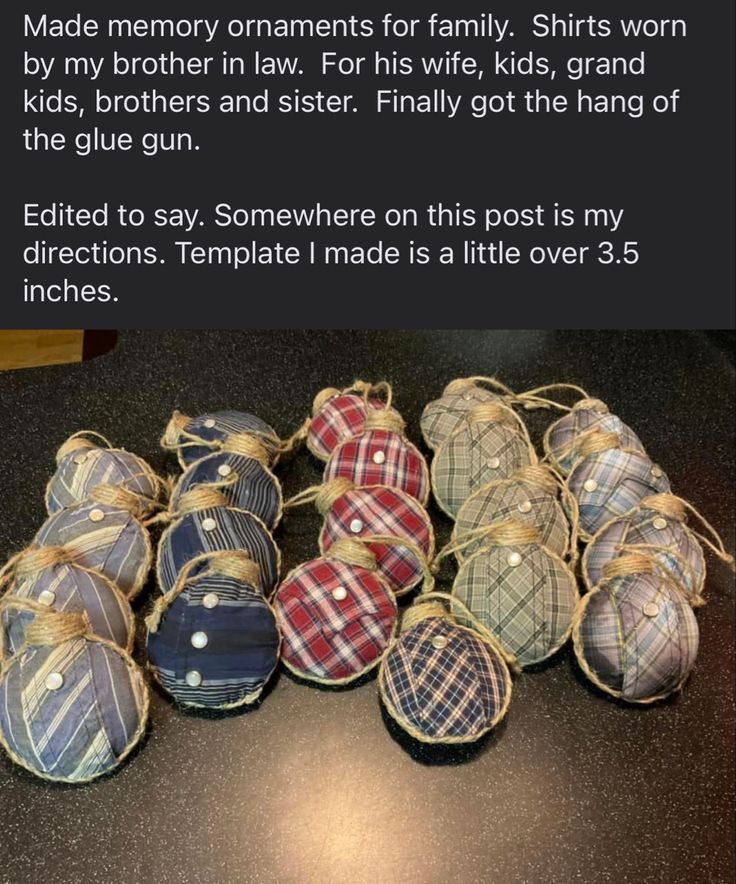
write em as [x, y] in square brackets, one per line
[216, 426]
[336, 619]
[636, 637]
[524, 595]
[443, 684]
[380, 457]
[611, 482]
[80, 470]
[669, 542]
[513, 499]
[337, 420]
[73, 711]
[379, 510]
[241, 651]
[211, 529]
[246, 484]
[477, 453]
[561, 437]
[71, 589]
[443, 416]
[105, 539]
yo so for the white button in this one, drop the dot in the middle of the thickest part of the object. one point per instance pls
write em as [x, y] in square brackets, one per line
[494, 463]
[80, 458]
[96, 515]
[439, 642]
[590, 484]
[514, 559]
[209, 524]
[467, 396]
[356, 526]
[211, 600]
[656, 472]
[209, 423]
[193, 678]
[379, 457]
[339, 593]
[199, 640]
[46, 598]
[224, 469]
[659, 523]
[651, 609]
[54, 681]
[525, 506]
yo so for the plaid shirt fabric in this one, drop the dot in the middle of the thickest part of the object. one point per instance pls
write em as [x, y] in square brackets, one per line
[339, 419]
[464, 463]
[403, 467]
[510, 499]
[618, 480]
[454, 691]
[224, 424]
[669, 542]
[443, 416]
[329, 638]
[117, 544]
[81, 729]
[529, 607]
[70, 589]
[242, 642]
[81, 470]
[560, 444]
[385, 511]
[255, 488]
[636, 655]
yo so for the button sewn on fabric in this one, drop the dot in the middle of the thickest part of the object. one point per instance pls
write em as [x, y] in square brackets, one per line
[54, 680]
[199, 640]
[96, 515]
[193, 678]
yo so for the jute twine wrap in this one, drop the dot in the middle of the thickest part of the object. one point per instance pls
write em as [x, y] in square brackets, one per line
[507, 532]
[460, 384]
[499, 413]
[367, 390]
[352, 552]
[247, 446]
[177, 437]
[383, 419]
[120, 498]
[532, 399]
[81, 440]
[430, 605]
[323, 496]
[595, 440]
[628, 564]
[677, 508]
[200, 497]
[591, 405]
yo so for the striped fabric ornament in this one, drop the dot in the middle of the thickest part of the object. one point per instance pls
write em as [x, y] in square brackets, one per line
[443, 416]
[72, 706]
[521, 592]
[82, 465]
[245, 483]
[492, 443]
[530, 496]
[213, 640]
[337, 615]
[442, 682]
[193, 438]
[635, 635]
[68, 588]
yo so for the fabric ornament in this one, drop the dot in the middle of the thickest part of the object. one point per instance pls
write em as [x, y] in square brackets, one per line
[443, 416]
[213, 641]
[72, 705]
[82, 464]
[337, 615]
[523, 593]
[193, 438]
[443, 682]
[635, 634]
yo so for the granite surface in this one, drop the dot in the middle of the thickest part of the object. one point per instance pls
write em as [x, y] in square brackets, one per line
[316, 785]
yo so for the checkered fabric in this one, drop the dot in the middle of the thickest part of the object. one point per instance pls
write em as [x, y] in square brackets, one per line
[403, 466]
[454, 691]
[195, 533]
[80, 729]
[334, 639]
[226, 423]
[636, 655]
[255, 489]
[384, 511]
[511, 499]
[464, 463]
[563, 434]
[528, 607]
[339, 419]
[443, 416]
[672, 545]
[116, 545]
[80, 471]
[70, 589]
[618, 480]
[242, 642]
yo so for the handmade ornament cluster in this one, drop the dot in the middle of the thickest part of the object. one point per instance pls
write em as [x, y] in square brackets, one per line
[73, 703]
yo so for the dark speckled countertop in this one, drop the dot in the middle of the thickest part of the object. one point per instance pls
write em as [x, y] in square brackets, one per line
[312, 786]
